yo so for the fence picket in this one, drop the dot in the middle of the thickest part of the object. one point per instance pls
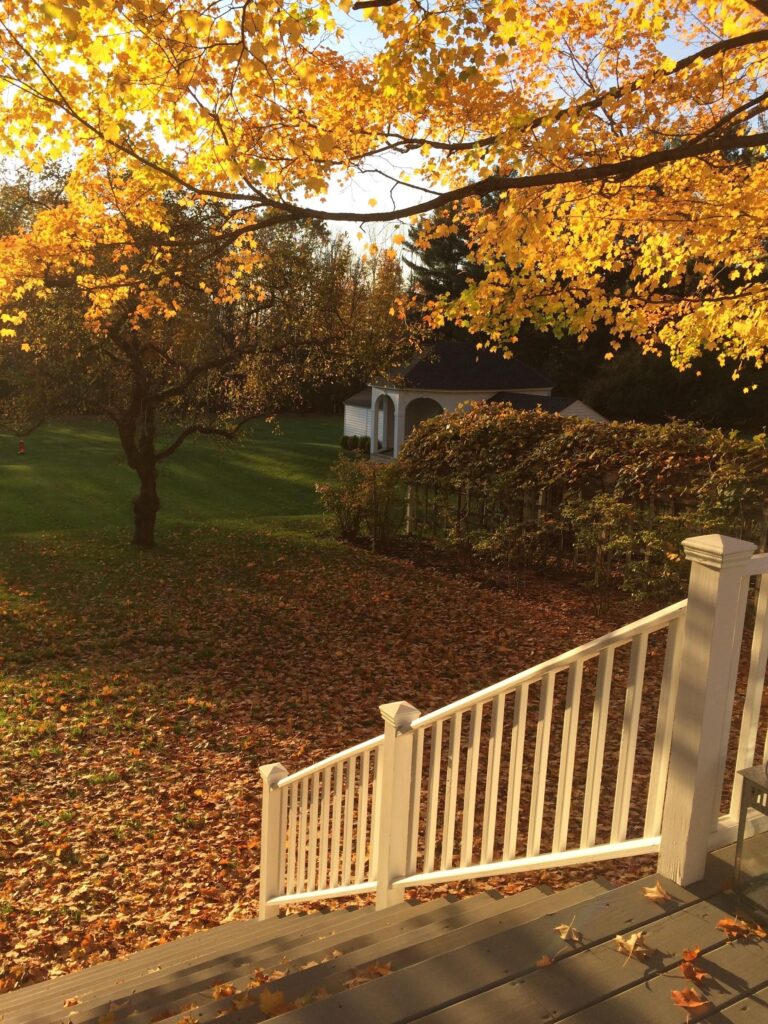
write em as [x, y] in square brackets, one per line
[416, 787]
[470, 785]
[515, 776]
[540, 763]
[597, 746]
[433, 796]
[567, 756]
[630, 725]
[663, 740]
[492, 779]
[349, 820]
[452, 790]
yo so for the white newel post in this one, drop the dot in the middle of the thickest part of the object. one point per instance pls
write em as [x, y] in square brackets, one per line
[271, 838]
[714, 622]
[392, 812]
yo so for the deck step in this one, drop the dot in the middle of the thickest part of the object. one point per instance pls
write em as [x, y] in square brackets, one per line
[484, 964]
[446, 927]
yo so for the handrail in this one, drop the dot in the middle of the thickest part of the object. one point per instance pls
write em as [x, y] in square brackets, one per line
[329, 762]
[656, 620]
[757, 565]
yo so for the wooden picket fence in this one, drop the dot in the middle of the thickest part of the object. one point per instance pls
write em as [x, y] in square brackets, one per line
[628, 745]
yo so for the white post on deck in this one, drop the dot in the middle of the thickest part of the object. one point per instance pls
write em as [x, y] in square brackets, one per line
[714, 623]
[393, 810]
[272, 839]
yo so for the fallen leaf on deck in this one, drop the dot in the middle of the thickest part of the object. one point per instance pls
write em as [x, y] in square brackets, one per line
[634, 946]
[689, 999]
[368, 974]
[657, 893]
[272, 1004]
[741, 931]
[545, 961]
[568, 933]
[224, 991]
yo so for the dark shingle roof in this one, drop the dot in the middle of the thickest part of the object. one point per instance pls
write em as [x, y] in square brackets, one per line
[362, 398]
[549, 403]
[459, 366]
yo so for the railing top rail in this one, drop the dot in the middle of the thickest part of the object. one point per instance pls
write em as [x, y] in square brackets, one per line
[329, 762]
[648, 624]
[757, 565]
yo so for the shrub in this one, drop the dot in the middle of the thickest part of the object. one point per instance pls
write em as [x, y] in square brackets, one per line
[364, 499]
[530, 489]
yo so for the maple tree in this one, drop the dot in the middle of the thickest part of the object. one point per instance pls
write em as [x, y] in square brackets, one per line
[618, 139]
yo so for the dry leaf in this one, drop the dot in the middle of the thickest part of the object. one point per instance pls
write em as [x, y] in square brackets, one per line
[657, 893]
[689, 999]
[634, 946]
[568, 933]
[689, 970]
[72, 1001]
[272, 1004]
[224, 991]
[741, 931]
[368, 974]
[545, 961]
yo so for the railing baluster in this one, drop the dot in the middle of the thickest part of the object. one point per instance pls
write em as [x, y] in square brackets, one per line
[630, 725]
[284, 844]
[374, 804]
[670, 676]
[515, 778]
[303, 870]
[567, 756]
[325, 813]
[293, 790]
[597, 747]
[338, 793]
[349, 820]
[750, 719]
[452, 789]
[540, 763]
[361, 832]
[492, 780]
[416, 786]
[312, 851]
[433, 796]
[470, 785]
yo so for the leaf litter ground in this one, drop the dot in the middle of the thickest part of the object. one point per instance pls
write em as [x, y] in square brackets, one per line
[141, 691]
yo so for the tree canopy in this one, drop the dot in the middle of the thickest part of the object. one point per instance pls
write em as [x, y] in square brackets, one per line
[621, 139]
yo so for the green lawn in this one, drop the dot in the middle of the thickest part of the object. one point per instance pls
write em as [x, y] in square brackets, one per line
[73, 477]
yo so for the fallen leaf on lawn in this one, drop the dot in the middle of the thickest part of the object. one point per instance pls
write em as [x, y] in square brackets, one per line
[545, 961]
[568, 933]
[272, 1004]
[741, 931]
[72, 1001]
[224, 991]
[634, 946]
[368, 974]
[689, 999]
[657, 893]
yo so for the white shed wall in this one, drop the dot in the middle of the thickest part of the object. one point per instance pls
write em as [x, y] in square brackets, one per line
[357, 421]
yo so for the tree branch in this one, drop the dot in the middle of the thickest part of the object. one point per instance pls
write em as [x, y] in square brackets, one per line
[203, 428]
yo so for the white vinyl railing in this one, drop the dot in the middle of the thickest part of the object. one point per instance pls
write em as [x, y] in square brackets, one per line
[609, 750]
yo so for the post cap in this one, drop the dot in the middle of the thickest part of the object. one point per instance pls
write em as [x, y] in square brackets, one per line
[272, 773]
[717, 551]
[400, 714]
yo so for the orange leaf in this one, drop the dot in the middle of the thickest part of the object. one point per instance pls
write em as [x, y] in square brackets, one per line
[689, 999]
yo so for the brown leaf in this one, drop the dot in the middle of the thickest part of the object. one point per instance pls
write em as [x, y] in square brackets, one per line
[273, 1003]
[657, 893]
[72, 1001]
[741, 931]
[568, 933]
[368, 973]
[689, 999]
[689, 970]
[545, 961]
[224, 991]
[634, 946]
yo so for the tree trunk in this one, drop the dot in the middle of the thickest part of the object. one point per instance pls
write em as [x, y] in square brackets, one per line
[145, 508]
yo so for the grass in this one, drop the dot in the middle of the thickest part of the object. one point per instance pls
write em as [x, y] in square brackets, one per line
[141, 690]
[73, 477]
